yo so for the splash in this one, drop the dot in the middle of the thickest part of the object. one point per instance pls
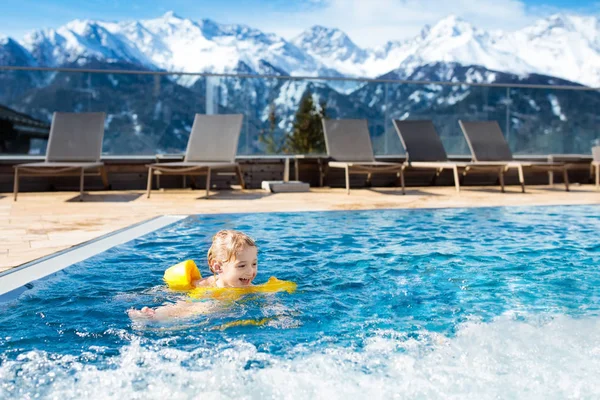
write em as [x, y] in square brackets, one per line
[512, 356]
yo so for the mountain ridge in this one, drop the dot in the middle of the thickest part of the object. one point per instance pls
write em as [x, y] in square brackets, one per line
[565, 46]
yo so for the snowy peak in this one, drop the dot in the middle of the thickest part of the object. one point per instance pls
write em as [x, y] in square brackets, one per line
[80, 41]
[565, 46]
[170, 24]
[332, 42]
[334, 49]
[449, 27]
[556, 23]
[12, 53]
[6, 41]
[559, 25]
[169, 15]
[213, 30]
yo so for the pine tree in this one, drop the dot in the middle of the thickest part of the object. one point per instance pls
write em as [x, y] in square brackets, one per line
[273, 144]
[307, 134]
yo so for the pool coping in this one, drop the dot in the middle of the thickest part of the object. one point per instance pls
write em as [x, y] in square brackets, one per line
[15, 281]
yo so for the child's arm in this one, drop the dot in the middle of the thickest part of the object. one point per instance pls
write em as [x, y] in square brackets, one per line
[181, 309]
[205, 282]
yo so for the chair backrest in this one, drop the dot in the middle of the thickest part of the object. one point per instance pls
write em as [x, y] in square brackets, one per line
[214, 138]
[420, 141]
[76, 137]
[486, 141]
[348, 140]
[596, 153]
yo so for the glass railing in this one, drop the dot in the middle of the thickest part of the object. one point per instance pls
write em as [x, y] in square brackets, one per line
[152, 112]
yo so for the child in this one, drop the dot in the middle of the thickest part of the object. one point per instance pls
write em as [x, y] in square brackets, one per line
[232, 258]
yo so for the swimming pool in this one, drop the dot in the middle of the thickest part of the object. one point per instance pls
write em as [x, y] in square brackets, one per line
[390, 304]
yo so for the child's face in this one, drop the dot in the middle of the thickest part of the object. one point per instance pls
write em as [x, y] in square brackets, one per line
[241, 270]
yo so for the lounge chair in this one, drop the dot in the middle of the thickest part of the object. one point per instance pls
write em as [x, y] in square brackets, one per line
[74, 148]
[423, 147]
[488, 145]
[212, 146]
[596, 164]
[349, 145]
[424, 150]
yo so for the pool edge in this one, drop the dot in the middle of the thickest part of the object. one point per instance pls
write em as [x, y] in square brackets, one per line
[15, 280]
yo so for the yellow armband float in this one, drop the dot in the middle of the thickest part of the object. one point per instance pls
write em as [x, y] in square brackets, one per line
[181, 277]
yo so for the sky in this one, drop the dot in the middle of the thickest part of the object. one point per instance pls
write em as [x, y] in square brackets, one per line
[368, 22]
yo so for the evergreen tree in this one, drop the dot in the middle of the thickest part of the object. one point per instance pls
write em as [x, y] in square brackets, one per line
[273, 144]
[307, 134]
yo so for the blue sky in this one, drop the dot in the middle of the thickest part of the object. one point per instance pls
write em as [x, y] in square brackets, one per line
[368, 22]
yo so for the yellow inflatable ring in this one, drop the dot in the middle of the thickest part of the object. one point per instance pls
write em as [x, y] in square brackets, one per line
[273, 285]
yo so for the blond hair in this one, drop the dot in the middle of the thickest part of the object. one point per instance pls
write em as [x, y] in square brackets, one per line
[226, 244]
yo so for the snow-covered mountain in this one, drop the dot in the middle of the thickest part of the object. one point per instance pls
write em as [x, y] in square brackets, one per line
[564, 46]
[170, 43]
[12, 53]
[333, 47]
[567, 47]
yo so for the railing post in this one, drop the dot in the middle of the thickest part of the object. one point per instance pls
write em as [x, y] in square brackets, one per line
[507, 129]
[212, 89]
[156, 91]
[385, 121]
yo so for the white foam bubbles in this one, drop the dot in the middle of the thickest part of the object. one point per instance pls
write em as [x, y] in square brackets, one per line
[512, 356]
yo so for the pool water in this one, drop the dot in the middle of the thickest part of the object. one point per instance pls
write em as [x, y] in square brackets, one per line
[472, 303]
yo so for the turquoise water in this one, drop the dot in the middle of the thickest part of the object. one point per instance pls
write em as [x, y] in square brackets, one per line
[476, 303]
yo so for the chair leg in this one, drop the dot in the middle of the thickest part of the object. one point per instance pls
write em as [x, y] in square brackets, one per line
[347, 180]
[16, 185]
[149, 186]
[369, 176]
[321, 173]
[104, 177]
[501, 178]
[207, 183]
[402, 180]
[521, 178]
[81, 175]
[240, 177]
[456, 181]
[566, 178]
[597, 176]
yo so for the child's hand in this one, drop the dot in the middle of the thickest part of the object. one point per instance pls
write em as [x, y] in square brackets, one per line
[144, 313]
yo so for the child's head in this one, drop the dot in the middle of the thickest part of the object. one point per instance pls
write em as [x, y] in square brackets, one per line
[233, 257]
